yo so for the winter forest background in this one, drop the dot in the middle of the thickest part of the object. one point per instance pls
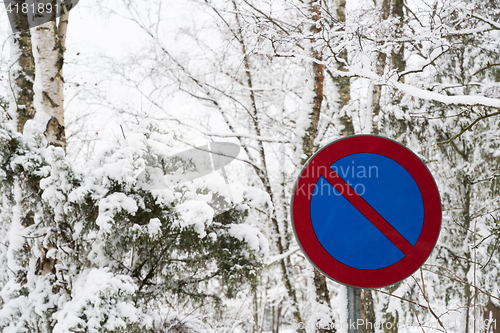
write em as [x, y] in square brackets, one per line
[93, 102]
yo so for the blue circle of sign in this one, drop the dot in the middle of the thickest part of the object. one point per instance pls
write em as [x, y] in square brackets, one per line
[345, 233]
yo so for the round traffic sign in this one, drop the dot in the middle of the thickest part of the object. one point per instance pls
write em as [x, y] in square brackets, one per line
[366, 211]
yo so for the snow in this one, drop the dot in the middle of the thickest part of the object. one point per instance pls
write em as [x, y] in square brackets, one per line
[276, 258]
[99, 300]
[422, 93]
[196, 214]
[252, 236]
[185, 63]
[16, 239]
[457, 99]
[257, 197]
[246, 135]
[111, 205]
[304, 116]
[154, 226]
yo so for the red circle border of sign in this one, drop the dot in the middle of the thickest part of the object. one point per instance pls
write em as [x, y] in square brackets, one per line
[301, 214]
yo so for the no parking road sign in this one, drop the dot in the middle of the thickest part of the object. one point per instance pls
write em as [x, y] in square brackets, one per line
[366, 211]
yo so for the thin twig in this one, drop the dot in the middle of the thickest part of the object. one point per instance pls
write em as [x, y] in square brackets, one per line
[466, 129]
[401, 298]
[486, 67]
[458, 279]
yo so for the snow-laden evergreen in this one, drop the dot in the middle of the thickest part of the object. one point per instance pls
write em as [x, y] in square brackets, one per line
[114, 255]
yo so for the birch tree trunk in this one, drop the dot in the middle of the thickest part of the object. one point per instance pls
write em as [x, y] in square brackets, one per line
[49, 46]
[23, 75]
[37, 84]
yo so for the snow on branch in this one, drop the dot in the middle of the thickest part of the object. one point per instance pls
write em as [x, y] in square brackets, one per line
[248, 136]
[494, 24]
[470, 100]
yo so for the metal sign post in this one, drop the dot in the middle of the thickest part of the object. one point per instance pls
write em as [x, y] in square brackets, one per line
[354, 318]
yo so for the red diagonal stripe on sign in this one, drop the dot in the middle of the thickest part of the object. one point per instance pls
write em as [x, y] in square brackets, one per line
[369, 212]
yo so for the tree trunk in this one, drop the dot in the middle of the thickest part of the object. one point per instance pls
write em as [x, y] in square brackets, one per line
[491, 318]
[313, 95]
[367, 311]
[264, 176]
[377, 92]
[343, 83]
[392, 8]
[311, 103]
[25, 75]
[50, 46]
